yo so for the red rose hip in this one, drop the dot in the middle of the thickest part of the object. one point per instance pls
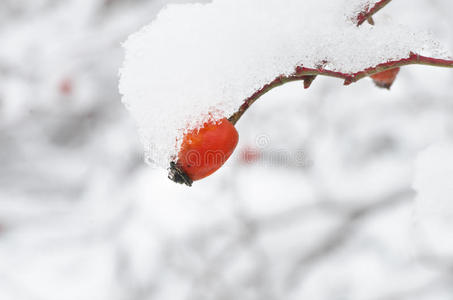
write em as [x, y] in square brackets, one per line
[203, 151]
[385, 79]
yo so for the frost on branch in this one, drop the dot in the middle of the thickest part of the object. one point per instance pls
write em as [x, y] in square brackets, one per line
[199, 61]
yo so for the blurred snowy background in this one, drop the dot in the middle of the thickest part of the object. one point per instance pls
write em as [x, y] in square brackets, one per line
[317, 202]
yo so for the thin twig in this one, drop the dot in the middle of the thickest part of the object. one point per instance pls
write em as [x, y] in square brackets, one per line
[308, 75]
[302, 73]
[365, 15]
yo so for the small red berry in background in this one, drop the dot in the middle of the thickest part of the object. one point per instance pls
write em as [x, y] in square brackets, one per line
[385, 79]
[204, 150]
[250, 155]
[65, 87]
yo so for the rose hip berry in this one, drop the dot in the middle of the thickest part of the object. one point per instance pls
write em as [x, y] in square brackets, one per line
[203, 151]
[385, 79]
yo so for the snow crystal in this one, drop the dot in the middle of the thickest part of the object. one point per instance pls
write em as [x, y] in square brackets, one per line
[197, 61]
[434, 205]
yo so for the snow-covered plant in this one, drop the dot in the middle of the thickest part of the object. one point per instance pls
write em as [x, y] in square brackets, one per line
[199, 64]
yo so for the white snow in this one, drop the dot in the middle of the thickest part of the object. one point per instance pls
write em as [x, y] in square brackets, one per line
[201, 59]
[81, 216]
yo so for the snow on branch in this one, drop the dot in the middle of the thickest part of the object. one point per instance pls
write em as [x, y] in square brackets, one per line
[308, 74]
[370, 11]
[201, 61]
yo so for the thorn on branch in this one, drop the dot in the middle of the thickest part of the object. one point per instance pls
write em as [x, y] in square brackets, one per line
[308, 81]
[348, 80]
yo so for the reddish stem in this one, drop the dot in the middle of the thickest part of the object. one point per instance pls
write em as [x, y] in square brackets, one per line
[308, 74]
[302, 73]
[369, 12]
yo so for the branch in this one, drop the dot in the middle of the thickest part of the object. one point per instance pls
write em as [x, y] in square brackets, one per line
[369, 12]
[306, 74]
